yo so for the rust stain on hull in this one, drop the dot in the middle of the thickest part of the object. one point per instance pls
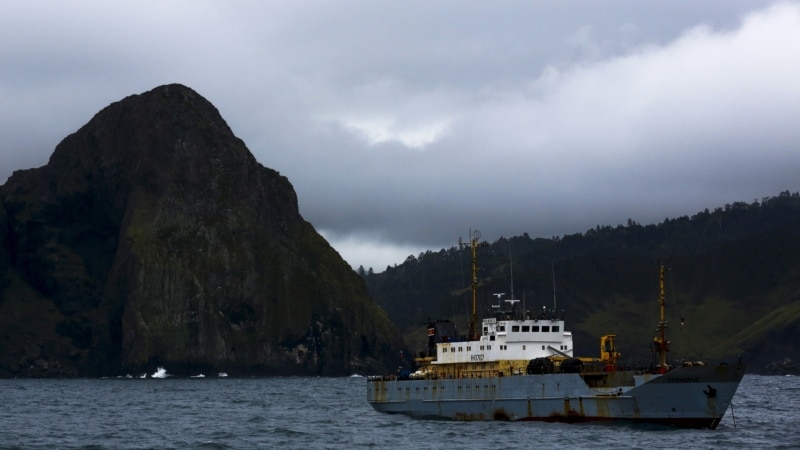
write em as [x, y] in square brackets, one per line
[501, 414]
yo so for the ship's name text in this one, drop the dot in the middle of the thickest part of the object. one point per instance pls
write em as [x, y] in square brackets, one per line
[476, 357]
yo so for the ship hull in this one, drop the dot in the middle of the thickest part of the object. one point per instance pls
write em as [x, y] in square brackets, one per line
[695, 397]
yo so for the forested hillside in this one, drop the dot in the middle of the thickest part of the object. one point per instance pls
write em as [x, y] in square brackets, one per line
[733, 285]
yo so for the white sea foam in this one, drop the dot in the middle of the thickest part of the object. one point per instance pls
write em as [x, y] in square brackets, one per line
[160, 373]
[198, 376]
[222, 374]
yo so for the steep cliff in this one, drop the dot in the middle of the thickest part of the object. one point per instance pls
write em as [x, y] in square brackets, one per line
[154, 238]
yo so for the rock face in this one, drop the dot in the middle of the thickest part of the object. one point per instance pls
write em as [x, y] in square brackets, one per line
[153, 238]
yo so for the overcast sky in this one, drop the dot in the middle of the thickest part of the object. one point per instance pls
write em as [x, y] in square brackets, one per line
[403, 124]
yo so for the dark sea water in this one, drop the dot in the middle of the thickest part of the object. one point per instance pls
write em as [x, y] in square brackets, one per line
[212, 413]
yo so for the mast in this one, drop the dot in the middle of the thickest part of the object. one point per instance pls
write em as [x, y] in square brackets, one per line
[660, 342]
[473, 323]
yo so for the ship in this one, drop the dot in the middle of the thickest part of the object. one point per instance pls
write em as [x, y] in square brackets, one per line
[521, 366]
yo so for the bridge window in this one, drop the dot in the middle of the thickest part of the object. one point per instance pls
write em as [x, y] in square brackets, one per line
[501, 328]
[526, 328]
[535, 328]
[515, 329]
[555, 328]
[545, 329]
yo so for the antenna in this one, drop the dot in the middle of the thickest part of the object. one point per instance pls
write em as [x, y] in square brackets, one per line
[499, 295]
[553, 267]
[511, 267]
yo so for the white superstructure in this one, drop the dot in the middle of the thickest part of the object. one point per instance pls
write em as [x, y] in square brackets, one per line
[510, 339]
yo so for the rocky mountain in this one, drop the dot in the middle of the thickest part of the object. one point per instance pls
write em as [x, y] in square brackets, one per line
[154, 238]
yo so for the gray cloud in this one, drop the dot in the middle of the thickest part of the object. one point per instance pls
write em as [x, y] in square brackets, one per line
[403, 125]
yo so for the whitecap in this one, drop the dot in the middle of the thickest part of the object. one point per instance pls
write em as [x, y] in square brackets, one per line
[160, 373]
